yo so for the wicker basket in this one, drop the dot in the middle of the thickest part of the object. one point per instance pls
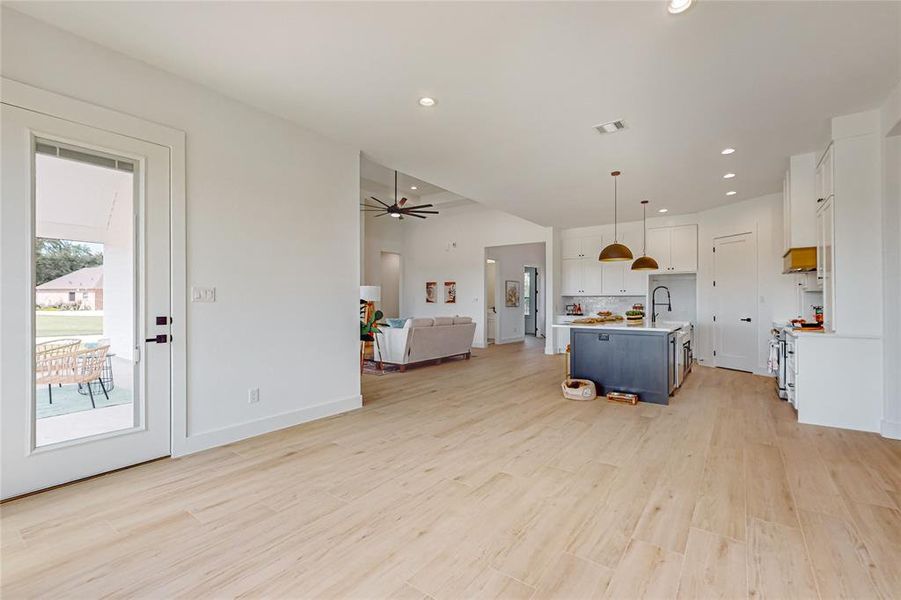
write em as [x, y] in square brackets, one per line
[579, 389]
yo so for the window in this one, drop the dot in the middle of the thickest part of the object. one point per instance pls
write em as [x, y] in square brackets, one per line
[71, 296]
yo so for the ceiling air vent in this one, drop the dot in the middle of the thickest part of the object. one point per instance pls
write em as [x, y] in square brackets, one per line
[611, 127]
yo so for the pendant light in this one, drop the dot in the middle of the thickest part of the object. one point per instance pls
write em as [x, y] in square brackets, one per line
[644, 262]
[615, 252]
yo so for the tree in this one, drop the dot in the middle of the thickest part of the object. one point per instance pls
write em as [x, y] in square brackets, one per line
[55, 258]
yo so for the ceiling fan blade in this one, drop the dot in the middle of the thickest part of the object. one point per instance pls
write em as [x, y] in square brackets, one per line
[402, 202]
[381, 215]
[419, 206]
[414, 215]
[379, 201]
[371, 206]
[422, 212]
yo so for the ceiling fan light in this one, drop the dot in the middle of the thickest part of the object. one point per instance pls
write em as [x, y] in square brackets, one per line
[615, 252]
[396, 215]
[645, 263]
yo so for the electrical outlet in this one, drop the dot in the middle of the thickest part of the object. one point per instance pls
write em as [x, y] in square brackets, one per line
[203, 294]
[253, 395]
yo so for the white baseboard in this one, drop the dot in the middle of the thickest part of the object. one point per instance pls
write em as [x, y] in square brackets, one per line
[891, 429]
[219, 437]
[511, 340]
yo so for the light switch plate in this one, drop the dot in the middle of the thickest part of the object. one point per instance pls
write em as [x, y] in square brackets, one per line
[203, 294]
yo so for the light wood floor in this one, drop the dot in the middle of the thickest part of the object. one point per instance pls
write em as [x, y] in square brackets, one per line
[476, 479]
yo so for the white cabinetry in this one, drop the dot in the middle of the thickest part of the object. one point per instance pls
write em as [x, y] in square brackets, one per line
[582, 273]
[825, 188]
[826, 260]
[849, 248]
[582, 277]
[619, 278]
[581, 247]
[799, 202]
[818, 383]
[674, 248]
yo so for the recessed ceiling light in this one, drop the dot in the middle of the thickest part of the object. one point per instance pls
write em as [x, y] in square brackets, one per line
[663, 210]
[426, 101]
[727, 151]
[731, 193]
[412, 187]
[728, 175]
[677, 6]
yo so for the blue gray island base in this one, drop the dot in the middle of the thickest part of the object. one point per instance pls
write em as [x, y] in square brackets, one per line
[639, 361]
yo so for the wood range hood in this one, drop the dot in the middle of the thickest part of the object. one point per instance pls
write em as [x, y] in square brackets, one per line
[799, 260]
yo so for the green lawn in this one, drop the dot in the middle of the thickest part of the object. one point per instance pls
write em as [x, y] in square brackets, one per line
[50, 325]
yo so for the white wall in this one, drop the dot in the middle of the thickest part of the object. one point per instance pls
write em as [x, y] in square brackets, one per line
[510, 264]
[255, 230]
[890, 132]
[452, 248]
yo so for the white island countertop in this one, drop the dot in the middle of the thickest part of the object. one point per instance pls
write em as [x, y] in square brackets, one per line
[645, 325]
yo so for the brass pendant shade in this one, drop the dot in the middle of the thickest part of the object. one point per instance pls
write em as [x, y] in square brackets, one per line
[615, 252]
[644, 262]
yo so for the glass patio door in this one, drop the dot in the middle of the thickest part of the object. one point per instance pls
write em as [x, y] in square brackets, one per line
[85, 301]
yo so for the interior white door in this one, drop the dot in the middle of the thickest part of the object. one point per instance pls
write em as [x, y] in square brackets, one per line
[735, 301]
[27, 463]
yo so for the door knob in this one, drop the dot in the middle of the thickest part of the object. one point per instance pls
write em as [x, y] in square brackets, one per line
[163, 338]
[746, 319]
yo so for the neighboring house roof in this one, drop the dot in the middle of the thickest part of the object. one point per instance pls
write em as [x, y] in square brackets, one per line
[88, 278]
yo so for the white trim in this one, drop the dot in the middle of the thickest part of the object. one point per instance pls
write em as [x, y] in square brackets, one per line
[891, 429]
[56, 105]
[227, 435]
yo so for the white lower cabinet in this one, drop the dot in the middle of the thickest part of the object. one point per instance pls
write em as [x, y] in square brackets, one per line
[835, 381]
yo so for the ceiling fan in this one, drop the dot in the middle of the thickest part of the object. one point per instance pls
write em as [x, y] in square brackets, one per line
[399, 209]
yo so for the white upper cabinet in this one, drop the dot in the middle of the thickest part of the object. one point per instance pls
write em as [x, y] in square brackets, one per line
[824, 176]
[581, 247]
[571, 284]
[674, 248]
[799, 197]
[582, 273]
[571, 248]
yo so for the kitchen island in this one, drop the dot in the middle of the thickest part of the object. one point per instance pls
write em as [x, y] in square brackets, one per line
[617, 356]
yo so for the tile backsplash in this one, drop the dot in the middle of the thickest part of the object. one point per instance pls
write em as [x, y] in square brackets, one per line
[592, 304]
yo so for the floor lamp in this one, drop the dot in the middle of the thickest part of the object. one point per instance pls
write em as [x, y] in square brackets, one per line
[370, 294]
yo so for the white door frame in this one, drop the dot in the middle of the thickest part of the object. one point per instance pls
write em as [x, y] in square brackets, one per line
[34, 99]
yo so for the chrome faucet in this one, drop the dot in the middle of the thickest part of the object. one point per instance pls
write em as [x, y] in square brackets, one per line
[669, 303]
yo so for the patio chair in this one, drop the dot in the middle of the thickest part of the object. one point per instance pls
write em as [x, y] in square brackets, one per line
[75, 366]
[57, 347]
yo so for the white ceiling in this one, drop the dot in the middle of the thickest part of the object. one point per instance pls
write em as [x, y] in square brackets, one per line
[381, 174]
[75, 200]
[519, 86]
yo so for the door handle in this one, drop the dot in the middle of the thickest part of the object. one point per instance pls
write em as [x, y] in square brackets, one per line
[746, 319]
[163, 338]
